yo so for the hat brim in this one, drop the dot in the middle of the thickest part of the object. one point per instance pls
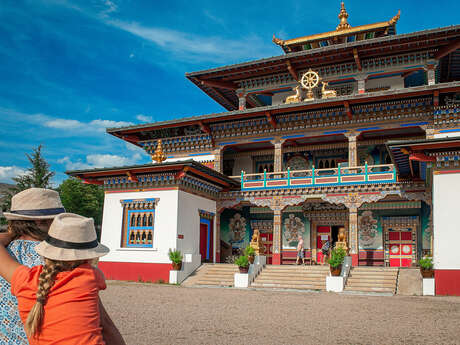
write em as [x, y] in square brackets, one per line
[54, 253]
[14, 216]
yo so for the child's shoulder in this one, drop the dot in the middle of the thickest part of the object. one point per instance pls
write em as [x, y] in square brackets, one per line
[91, 275]
[23, 251]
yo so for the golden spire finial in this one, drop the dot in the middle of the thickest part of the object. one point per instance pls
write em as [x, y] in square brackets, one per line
[395, 18]
[343, 15]
[158, 156]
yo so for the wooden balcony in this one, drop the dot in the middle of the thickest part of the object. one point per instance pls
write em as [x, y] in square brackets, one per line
[340, 176]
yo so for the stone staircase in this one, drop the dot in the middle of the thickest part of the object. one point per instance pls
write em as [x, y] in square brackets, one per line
[373, 279]
[292, 277]
[212, 275]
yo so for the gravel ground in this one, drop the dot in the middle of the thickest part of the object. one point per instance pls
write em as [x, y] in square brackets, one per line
[162, 314]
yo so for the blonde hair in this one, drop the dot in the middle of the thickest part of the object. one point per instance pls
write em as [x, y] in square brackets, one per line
[46, 281]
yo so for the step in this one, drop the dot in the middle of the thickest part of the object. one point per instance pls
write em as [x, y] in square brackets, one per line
[387, 285]
[281, 280]
[290, 286]
[295, 274]
[372, 278]
[371, 289]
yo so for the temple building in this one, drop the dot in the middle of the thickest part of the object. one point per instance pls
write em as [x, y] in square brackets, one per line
[351, 128]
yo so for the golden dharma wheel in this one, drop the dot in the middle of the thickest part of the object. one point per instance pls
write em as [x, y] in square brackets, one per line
[310, 79]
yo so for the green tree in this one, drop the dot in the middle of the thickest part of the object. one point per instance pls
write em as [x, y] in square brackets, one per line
[38, 175]
[84, 199]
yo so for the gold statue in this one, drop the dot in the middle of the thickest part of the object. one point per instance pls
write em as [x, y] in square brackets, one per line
[256, 243]
[309, 81]
[159, 156]
[294, 98]
[342, 239]
[327, 93]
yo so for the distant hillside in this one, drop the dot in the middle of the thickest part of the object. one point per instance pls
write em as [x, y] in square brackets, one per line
[4, 187]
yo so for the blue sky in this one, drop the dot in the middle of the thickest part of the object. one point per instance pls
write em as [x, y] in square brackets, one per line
[69, 69]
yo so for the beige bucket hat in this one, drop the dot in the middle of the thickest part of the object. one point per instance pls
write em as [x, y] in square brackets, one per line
[35, 204]
[71, 237]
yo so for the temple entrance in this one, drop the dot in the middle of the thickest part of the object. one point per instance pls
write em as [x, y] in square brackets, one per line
[400, 236]
[206, 241]
[400, 244]
[324, 233]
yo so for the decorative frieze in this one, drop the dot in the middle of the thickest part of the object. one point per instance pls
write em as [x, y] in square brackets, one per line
[447, 116]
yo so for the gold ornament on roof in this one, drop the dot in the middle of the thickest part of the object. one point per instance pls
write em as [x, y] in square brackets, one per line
[309, 81]
[294, 98]
[327, 93]
[158, 156]
[343, 16]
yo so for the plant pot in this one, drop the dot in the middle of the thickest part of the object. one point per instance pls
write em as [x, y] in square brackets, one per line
[177, 266]
[427, 273]
[335, 271]
[251, 259]
[244, 269]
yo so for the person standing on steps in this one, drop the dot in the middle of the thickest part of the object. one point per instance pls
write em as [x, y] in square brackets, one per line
[300, 251]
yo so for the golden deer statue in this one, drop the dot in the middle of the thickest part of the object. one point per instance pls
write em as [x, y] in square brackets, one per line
[327, 93]
[294, 98]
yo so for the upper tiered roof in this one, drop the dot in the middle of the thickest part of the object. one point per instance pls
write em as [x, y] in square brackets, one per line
[342, 34]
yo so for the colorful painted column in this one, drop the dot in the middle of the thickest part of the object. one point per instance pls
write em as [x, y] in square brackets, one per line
[242, 101]
[217, 236]
[218, 159]
[430, 69]
[353, 233]
[276, 236]
[361, 79]
[352, 149]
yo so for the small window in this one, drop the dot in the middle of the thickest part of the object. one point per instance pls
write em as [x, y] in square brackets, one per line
[137, 231]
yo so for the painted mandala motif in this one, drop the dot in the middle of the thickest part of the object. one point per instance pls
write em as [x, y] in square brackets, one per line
[293, 227]
[406, 249]
[394, 249]
[367, 230]
[237, 227]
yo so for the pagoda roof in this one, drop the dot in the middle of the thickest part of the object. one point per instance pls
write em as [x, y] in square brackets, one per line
[134, 134]
[221, 83]
[409, 154]
[343, 30]
[189, 166]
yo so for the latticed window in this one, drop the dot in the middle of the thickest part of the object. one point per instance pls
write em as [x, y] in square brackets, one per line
[138, 223]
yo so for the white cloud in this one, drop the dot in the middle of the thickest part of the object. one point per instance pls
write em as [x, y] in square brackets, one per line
[196, 47]
[101, 161]
[101, 125]
[63, 124]
[8, 172]
[144, 118]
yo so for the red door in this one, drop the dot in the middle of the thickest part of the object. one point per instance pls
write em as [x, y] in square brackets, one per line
[267, 241]
[203, 240]
[400, 248]
[206, 242]
[323, 233]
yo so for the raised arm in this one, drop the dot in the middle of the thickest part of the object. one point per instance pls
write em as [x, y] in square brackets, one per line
[110, 332]
[7, 264]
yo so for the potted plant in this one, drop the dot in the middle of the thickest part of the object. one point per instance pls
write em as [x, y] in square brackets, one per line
[176, 257]
[250, 253]
[426, 267]
[336, 260]
[243, 263]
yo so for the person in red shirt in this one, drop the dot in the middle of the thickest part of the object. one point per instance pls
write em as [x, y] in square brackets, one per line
[58, 302]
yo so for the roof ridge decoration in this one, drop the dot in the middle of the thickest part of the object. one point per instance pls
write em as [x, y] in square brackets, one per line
[343, 29]
[343, 15]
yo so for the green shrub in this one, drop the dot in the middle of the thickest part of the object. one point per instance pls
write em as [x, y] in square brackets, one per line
[426, 263]
[249, 251]
[337, 257]
[242, 261]
[175, 256]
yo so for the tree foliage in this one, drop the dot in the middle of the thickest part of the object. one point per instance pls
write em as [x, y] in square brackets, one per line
[84, 199]
[38, 175]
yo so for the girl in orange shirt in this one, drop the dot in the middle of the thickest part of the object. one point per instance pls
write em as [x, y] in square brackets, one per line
[58, 302]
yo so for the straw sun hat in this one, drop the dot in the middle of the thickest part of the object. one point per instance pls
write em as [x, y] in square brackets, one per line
[35, 204]
[71, 237]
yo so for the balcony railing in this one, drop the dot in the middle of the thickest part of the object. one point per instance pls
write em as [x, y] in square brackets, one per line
[318, 177]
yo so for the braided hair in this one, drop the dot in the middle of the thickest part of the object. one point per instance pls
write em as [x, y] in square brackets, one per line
[46, 281]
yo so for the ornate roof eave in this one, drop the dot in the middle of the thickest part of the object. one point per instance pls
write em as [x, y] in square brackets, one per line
[339, 32]
[281, 108]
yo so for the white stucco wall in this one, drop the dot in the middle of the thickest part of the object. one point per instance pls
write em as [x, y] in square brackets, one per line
[165, 227]
[446, 228]
[447, 135]
[242, 163]
[196, 158]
